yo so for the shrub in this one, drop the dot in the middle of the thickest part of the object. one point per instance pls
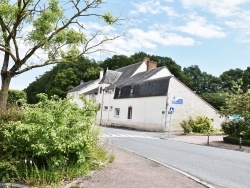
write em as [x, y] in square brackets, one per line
[201, 124]
[15, 95]
[236, 140]
[186, 126]
[56, 140]
[236, 128]
[11, 113]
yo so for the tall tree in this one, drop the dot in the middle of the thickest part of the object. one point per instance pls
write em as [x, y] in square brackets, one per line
[117, 61]
[201, 82]
[246, 79]
[63, 77]
[228, 76]
[50, 30]
[174, 68]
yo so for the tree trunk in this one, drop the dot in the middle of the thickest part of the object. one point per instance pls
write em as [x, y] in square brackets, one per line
[4, 91]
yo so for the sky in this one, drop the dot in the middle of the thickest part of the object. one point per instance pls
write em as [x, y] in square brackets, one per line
[213, 34]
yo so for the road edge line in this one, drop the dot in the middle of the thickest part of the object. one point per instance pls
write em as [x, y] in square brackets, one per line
[170, 167]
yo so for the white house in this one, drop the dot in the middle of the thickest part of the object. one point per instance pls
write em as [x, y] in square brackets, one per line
[142, 96]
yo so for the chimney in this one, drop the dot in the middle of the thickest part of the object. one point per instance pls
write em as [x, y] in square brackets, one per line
[101, 74]
[150, 64]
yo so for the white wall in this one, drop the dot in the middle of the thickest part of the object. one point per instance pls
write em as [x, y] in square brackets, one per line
[192, 105]
[162, 73]
[76, 95]
[142, 68]
[146, 113]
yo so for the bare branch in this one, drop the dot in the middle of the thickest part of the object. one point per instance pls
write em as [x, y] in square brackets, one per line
[8, 50]
[49, 62]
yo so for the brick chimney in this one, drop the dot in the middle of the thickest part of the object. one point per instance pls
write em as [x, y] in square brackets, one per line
[150, 64]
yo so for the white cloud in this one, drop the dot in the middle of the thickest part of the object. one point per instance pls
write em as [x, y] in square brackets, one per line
[198, 26]
[241, 25]
[153, 7]
[221, 8]
[140, 40]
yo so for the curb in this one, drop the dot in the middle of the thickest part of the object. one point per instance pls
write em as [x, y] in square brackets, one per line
[170, 167]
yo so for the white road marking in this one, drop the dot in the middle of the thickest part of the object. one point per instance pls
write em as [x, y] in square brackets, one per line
[117, 135]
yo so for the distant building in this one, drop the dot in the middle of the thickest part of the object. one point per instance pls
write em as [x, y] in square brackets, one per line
[142, 96]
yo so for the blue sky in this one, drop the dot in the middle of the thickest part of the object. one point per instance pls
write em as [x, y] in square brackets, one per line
[213, 34]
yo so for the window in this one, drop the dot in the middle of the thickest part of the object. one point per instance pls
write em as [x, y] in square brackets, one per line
[132, 91]
[130, 112]
[100, 90]
[117, 111]
[106, 107]
[119, 93]
[111, 108]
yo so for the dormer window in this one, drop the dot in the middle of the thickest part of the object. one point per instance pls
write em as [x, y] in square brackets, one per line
[119, 92]
[132, 91]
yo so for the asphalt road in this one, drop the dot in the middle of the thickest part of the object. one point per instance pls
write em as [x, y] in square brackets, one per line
[218, 167]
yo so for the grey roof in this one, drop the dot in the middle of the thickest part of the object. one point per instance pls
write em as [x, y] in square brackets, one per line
[81, 86]
[126, 79]
[147, 88]
[93, 91]
[110, 77]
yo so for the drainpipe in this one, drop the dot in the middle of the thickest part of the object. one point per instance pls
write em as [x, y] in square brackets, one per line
[102, 106]
[109, 105]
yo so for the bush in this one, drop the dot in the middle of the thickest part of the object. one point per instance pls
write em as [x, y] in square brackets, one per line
[236, 140]
[55, 140]
[11, 113]
[186, 126]
[201, 124]
[236, 128]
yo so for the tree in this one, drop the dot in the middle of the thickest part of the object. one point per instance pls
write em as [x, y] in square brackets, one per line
[51, 31]
[217, 100]
[201, 82]
[246, 79]
[228, 76]
[117, 61]
[63, 77]
[173, 67]
[238, 103]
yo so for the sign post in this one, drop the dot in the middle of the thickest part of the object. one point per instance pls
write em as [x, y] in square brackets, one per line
[171, 111]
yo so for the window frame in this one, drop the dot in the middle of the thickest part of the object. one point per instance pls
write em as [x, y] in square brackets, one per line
[117, 110]
[130, 112]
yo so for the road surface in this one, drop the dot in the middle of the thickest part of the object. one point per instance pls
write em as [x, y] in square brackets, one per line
[216, 166]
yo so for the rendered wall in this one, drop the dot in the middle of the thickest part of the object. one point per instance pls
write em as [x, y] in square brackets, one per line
[192, 105]
[147, 113]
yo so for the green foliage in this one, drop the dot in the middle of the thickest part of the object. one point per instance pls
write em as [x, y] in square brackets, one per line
[117, 61]
[11, 113]
[201, 82]
[57, 31]
[15, 95]
[55, 140]
[201, 124]
[186, 126]
[236, 128]
[238, 103]
[109, 18]
[236, 140]
[62, 78]
[228, 76]
[217, 100]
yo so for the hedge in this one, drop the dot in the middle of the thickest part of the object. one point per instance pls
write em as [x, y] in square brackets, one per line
[236, 140]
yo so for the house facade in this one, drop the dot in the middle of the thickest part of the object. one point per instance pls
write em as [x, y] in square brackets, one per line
[142, 96]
